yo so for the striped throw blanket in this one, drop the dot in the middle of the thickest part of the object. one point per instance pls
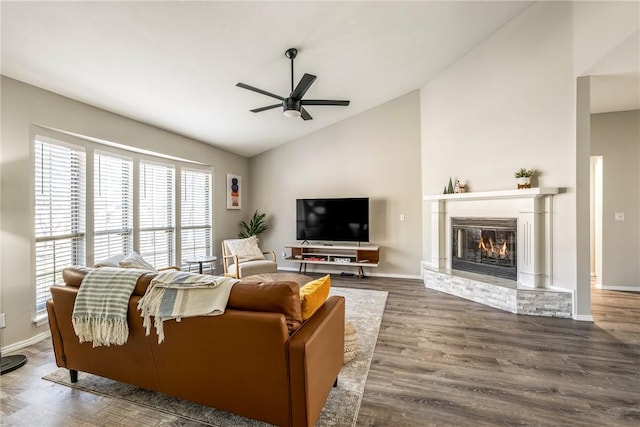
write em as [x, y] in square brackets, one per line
[178, 294]
[100, 311]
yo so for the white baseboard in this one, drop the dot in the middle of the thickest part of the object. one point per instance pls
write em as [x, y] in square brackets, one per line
[583, 317]
[26, 343]
[618, 288]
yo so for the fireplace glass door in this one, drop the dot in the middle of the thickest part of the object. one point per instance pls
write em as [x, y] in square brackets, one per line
[485, 246]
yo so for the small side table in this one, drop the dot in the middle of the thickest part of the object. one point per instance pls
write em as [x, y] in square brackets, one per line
[202, 260]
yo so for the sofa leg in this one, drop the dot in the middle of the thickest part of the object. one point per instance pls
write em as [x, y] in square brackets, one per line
[73, 374]
[335, 383]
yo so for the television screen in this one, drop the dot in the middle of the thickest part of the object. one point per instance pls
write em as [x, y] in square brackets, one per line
[340, 220]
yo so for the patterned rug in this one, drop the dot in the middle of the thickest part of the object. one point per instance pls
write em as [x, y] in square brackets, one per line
[364, 310]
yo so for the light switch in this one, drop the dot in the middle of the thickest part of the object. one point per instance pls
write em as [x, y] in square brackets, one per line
[401, 217]
[618, 216]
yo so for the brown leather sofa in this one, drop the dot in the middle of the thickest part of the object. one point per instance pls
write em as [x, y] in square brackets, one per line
[258, 359]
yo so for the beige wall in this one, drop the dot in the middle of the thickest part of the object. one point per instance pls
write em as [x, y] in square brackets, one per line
[511, 103]
[616, 137]
[24, 105]
[374, 154]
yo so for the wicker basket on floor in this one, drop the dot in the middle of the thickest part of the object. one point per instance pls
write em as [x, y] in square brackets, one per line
[350, 342]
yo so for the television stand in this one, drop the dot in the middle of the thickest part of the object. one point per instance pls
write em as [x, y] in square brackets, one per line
[342, 255]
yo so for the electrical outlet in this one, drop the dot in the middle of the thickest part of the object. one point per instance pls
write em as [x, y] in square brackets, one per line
[401, 217]
[618, 216]
[2, 321]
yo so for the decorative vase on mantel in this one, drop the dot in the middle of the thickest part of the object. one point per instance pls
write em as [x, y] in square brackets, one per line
[524, 182]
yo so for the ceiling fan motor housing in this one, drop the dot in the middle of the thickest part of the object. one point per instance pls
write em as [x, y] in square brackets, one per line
[291, 104]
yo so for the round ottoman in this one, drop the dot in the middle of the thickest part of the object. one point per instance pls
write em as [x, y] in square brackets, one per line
[350, 342]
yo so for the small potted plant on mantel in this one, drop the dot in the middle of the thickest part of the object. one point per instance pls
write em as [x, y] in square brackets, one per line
[524, 177]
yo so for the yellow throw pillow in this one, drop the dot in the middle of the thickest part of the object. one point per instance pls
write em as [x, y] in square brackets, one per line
[314, 294]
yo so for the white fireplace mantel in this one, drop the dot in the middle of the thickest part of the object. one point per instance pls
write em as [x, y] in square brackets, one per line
[531, 207]
[502, 194]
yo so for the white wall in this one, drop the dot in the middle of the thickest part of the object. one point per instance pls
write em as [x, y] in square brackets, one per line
[616, 137]
[375, 154]
[24, 105]
[511, 103]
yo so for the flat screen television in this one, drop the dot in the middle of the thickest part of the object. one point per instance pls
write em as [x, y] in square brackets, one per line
[338, 220]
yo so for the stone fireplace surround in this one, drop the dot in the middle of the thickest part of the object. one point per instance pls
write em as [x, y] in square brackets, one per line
[530, 293]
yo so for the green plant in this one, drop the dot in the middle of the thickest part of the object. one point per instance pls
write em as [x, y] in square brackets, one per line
[257, 225]
[525, 173]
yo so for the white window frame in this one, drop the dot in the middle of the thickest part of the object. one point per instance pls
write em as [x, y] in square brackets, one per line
[79, 250]
[124, 230]
[168, 229]
[208, 228]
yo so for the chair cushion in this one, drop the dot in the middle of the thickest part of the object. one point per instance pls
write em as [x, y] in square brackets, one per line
[246, 249]
[314, 294]
[249, 268]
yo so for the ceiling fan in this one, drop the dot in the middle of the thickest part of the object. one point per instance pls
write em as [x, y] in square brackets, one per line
[293, 106]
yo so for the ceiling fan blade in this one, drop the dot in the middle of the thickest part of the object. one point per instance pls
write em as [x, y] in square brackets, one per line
[257, 110]
[303, 86]
[305, 114]
[255, 89]
[324, 102]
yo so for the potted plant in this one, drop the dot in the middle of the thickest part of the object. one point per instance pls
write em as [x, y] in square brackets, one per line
[257, 225]
[524, 177]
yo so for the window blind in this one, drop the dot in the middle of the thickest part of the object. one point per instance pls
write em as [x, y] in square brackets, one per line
[195, 213]
[113, 205]
[157, 223]
[59, 189]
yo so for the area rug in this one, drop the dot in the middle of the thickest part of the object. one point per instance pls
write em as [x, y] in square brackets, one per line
[364, 309]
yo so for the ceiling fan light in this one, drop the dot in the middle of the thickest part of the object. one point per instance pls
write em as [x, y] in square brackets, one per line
[292, 114]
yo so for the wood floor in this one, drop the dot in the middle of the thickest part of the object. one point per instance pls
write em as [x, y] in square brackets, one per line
[439, 361]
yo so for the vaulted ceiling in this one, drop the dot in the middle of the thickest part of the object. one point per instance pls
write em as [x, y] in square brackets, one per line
[175, 64]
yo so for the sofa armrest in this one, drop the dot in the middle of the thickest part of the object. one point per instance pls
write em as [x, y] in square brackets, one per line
[316, 355]
[56, 335]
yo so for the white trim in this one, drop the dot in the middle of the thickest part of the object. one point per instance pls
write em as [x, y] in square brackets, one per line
[26, 343]
[618, 288]
[501, 194]
[41, 318]
[583, 317]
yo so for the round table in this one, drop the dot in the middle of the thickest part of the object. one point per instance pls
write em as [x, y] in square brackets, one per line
[300, 279]
[202, 260]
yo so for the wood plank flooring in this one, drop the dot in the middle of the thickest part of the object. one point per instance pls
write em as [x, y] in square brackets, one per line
[439, 361]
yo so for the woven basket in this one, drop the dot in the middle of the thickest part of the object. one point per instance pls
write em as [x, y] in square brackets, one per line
[350, 342]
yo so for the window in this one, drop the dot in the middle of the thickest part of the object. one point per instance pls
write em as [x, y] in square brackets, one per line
[195, 213]
[93, 201]
[112, 205]
[59, 213]
[157, 226]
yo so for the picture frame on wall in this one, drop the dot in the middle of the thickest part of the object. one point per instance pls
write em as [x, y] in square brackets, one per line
[234, 191]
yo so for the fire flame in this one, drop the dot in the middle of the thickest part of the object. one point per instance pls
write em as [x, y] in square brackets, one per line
[499, 251]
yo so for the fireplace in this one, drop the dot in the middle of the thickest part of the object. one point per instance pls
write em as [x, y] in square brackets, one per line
[485, 246]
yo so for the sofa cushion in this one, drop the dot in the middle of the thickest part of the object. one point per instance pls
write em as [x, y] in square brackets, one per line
[275, 297]
[246, 249]
[112, 261]
[135, 260]
[314, 294]
[72, 276]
